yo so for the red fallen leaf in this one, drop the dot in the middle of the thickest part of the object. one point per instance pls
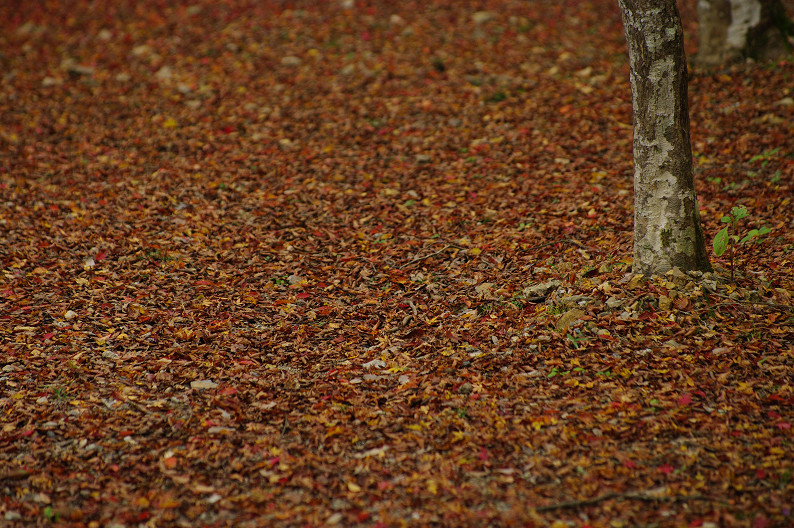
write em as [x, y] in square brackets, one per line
[761, 522]
[28, 432]
[303, 295]
[102, 255]
[324, 310]
[760, 474]
[362, 516]
[686, 399]
[696, 523]
[246, 362]
[666, 469]
[202, 283]
[383, 485]
[629, 464]
[784, 425]
[228, 391]
[483, 454]
[114, 468]
[773, 397]
[47, 336]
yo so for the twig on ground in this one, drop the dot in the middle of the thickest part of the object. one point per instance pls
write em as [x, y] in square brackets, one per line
[759, 303]
[425, 257]
[564, 241]
[15, 475]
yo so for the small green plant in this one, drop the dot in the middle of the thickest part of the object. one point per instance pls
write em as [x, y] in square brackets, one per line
[557, 372]
[496, 97]
[575, 340]
[727, 237]
[765, 156]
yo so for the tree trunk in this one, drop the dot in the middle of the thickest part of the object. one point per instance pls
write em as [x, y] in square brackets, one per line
[732, 30]
[667, 230]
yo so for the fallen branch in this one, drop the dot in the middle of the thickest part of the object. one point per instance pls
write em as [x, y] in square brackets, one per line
[646, 497]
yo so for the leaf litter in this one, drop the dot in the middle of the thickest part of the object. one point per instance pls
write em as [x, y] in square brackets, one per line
[359, 264]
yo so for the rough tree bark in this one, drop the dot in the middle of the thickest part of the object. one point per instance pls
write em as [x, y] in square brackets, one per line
[667, 230]
[731, 30]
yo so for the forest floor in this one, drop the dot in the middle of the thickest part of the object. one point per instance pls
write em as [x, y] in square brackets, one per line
[368, 264]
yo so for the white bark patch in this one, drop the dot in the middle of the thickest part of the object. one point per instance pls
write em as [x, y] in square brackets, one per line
[662, 104]
[745, 14]
[652, 41]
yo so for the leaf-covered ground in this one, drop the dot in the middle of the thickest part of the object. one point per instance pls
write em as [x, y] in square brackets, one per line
[367, 264]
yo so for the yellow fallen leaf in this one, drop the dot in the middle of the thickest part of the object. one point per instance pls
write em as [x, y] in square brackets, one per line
[432, 486]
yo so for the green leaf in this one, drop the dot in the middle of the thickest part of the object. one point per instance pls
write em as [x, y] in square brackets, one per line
[739, 212]
[726, 219]
[749, 236]
[721, 241]
[764, 230]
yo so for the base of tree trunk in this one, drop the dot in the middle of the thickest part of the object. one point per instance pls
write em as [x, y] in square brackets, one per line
[735, 30]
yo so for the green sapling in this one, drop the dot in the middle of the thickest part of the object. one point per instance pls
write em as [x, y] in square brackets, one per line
[727, 237]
